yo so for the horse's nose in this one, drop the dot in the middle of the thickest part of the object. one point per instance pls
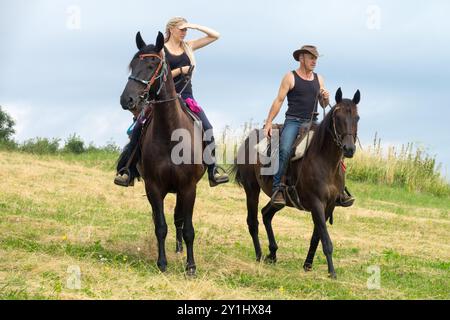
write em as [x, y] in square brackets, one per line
[349, 151]
[126, 102]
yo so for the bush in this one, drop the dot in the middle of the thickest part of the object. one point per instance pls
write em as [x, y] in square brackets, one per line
[9, 145]
[112, 147]
[74, 144]
[40, 146]
[410, 168]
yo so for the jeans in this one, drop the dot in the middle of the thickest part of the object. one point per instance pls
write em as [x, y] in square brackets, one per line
[290, 131]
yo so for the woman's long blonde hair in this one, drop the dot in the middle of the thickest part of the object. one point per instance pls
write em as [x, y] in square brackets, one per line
[187, 48]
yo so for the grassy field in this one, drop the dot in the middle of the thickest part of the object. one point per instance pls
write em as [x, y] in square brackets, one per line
[62, 214]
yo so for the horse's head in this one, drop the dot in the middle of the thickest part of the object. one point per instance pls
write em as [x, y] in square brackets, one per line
[148, 72]
[345, 122]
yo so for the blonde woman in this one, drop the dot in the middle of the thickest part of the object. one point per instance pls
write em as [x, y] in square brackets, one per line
[180, 57]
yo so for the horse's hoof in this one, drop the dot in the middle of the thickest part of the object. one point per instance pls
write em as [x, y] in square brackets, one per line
[307, 267]
[332, 275]
[270, 259]
[258, 258]
[191, 272]
[162, 267]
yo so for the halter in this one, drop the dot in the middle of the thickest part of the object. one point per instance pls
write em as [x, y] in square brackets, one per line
[162, 70]
[339, 138]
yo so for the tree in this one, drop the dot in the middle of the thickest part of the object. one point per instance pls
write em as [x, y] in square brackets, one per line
[6, 126]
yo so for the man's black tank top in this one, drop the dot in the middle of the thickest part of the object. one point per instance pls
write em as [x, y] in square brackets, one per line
[303, 97]
[175, 62]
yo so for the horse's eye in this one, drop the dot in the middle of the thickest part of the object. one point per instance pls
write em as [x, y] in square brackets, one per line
[357, 118]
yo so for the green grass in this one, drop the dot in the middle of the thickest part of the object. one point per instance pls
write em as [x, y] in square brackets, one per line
[62, 210]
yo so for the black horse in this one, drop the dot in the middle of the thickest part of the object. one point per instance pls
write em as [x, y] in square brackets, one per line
[151, 81]
[318, 177]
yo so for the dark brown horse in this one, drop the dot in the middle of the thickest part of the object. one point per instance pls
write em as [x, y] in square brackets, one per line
[318, 179]
[151, 83]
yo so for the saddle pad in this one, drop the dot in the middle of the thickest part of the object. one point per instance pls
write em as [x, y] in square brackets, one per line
[302, 146]
[188, 111]
[263, 146]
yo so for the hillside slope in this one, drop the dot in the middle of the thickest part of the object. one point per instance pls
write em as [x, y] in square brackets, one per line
[62, 218]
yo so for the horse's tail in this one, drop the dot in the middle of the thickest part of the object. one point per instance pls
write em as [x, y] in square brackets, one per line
[236, 173]
[244, 155]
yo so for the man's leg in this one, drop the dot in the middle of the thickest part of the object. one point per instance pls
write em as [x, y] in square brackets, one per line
[288, 135]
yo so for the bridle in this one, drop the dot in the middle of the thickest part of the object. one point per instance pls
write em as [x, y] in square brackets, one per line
[339, 138]
[160, 73]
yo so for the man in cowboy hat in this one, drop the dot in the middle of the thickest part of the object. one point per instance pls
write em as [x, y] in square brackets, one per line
[304, 89]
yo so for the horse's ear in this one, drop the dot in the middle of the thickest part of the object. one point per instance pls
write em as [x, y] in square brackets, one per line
[356, 97]
[159, 42]
[140, 43]
[338, 96]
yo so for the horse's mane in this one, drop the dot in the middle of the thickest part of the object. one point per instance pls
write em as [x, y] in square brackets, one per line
[320, 133]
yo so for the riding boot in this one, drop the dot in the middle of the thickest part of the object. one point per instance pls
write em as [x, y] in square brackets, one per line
[126, 166]
[125, 169]
[215, 177]
[345, 199]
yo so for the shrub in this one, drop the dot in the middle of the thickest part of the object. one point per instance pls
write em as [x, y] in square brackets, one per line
[410, 168]
[40, 146]
[74, 144]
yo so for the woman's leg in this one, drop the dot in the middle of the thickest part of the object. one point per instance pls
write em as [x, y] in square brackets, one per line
[214, 176]
[126, 167]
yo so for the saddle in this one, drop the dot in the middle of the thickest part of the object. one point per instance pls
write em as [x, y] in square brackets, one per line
[146, 118]
[147, 115]
[299, 146]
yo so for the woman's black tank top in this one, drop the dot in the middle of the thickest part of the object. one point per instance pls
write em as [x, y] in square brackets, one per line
[175, 62]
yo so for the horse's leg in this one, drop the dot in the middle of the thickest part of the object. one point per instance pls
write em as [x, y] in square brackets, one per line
[186, 200]
[179, 227]
[157, 202]
[268, 212]
[319, 218]
[252, 217]
[307, 266]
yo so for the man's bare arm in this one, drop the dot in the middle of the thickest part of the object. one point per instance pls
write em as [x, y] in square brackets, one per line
[286, 85]
[324, 96]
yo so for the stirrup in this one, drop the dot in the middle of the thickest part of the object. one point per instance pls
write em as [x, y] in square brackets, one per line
[214, 181]
[346, 199]
[123, 178]
[278, 203]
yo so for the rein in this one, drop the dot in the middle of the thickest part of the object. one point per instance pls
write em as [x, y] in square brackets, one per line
[162, 76]
[162, 66]
[339, 138]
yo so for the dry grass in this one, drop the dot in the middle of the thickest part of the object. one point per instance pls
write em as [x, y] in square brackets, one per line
[55, 214]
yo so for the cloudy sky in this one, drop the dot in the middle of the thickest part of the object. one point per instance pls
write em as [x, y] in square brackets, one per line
[63, 64]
